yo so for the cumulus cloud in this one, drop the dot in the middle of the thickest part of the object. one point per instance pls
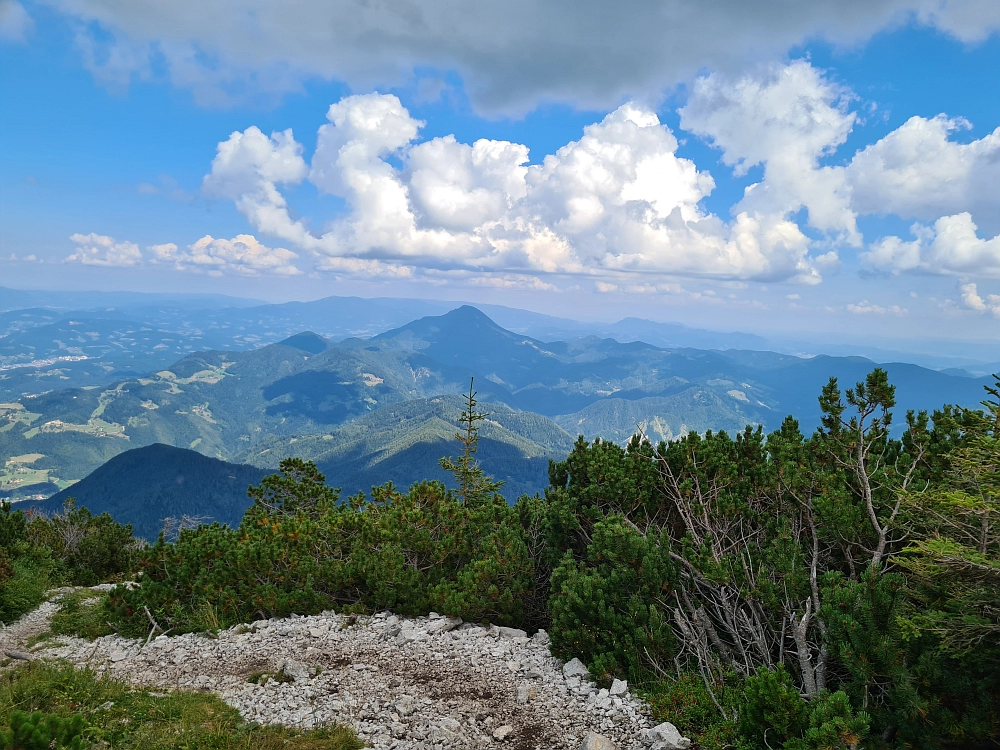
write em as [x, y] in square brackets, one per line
[364, 267]
[243, 254]
[785, 119]
[618, 200]
[918, 172]
[248, 168]
[950, 246]
[510, 55]
[972, 300]
[514, 281]
[101, 250]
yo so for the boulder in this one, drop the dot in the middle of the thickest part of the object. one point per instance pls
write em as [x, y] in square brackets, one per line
[595, 741]
[443, 625]
[618, 687]
[509, 632]
[541, 638]
[408, 635]
[576, 668]
[665, 737]
[296, 670]
[502, 733]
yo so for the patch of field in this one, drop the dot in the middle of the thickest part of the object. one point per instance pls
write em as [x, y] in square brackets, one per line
[204, 412]
[27, 458]
[210, 376]
[18, 472]
[95, 427]
[12, 414]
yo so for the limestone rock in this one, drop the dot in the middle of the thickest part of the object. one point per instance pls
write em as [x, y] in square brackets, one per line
[541, 638]
[502, 733]
[665, 737]
[509, 632]
[618, 687]
[576, 668]
[443, 625]
[296, 670]
[595, 741]
[450, 687]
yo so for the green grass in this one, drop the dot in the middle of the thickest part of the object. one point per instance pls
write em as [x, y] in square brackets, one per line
[120, 718]
[25, 590]
[81, 613]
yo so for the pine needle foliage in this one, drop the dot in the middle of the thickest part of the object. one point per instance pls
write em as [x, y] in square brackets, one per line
[474, 486]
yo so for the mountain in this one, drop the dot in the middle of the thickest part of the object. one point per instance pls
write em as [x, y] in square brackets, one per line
[234, 405]
[403, 443]
[145, 485]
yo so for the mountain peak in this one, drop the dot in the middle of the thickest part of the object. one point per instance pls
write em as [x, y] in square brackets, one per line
[307, 341]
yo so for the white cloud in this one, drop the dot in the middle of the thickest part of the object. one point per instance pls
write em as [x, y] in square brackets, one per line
[916, 172]
[864, 307]
[791, 116]
[969, 20]
[785, 119]
[972, 300]
[248, 168]
[101, 250]
[243, 254]
[510, 55]
[950, 246]
[514, 281]
[15, 23]
[363, 267]
[617, 200]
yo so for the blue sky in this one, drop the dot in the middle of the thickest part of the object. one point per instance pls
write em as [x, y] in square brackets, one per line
[138, 154]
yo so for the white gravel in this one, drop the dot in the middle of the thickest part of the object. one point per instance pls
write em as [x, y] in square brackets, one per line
[430, 683]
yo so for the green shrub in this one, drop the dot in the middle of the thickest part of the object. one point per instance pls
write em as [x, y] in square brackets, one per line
[609, 608]
[89, 549]
[25, 589]
[39, 731]
[772, 712]
[686, 703]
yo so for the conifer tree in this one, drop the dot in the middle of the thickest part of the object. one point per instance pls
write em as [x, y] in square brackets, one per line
[474, 486]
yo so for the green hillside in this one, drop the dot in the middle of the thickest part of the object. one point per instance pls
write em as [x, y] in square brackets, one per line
[402, 444]
[144, 486]
[235, 404]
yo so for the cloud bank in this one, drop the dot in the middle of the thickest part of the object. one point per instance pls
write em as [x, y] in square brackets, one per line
[617, 201]
[510, 55]
[620, 201]
[243, 255]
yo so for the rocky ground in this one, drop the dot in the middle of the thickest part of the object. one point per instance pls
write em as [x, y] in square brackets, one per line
[417, 684]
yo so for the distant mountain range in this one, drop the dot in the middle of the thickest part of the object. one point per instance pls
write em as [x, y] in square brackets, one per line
[372, 409]
[56, 340]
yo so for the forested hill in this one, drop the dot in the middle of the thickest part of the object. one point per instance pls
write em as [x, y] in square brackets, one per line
[236, 405]
[146, 485]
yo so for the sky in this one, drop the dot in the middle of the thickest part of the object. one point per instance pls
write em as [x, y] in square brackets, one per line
[830, 167]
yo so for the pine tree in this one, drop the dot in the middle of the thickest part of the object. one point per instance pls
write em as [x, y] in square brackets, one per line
[474, 486]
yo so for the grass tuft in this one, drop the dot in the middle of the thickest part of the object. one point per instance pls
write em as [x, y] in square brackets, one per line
[81, 613]
[120, 718]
